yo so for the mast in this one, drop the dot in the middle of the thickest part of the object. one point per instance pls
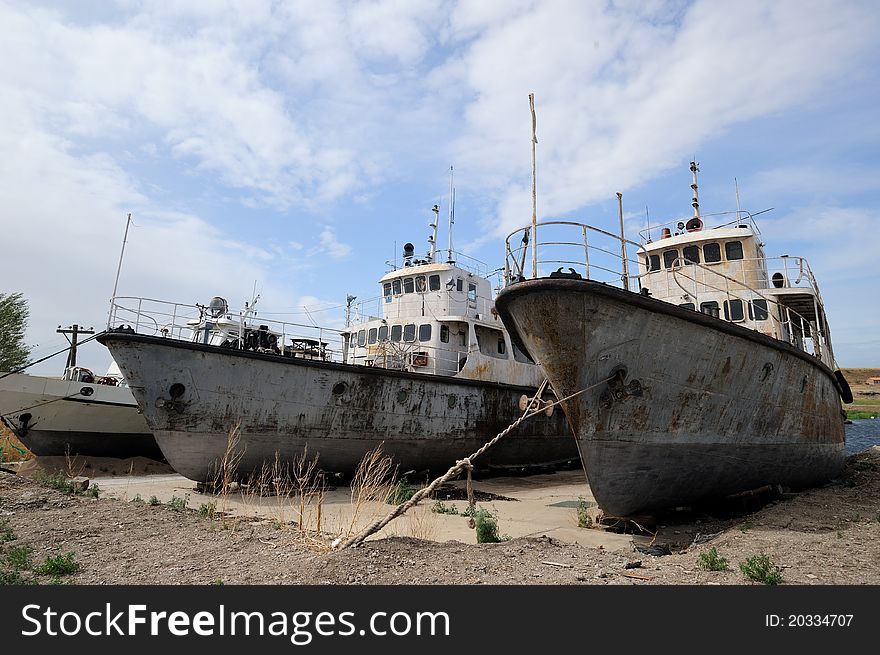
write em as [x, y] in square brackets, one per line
[622, 242]
[450, 259]
[118, 269]
[534, 192]
[433, 238]
[696, 202]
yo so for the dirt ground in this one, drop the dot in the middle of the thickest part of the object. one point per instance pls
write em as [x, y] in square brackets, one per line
[866, 397]
[828, 535]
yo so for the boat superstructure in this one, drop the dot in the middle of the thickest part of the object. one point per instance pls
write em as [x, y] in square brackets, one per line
[707, 371]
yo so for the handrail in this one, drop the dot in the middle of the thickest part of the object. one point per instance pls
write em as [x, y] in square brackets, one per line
[740, 216]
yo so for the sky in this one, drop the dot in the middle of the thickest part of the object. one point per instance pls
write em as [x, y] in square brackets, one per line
[291, 148]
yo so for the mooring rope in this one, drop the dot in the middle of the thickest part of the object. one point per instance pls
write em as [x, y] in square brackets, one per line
[534, 406]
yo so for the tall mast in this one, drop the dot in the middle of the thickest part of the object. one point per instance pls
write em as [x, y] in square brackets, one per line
[450, 259]
[118, 269]
[433, 238]
[534, 192]
[622, 242]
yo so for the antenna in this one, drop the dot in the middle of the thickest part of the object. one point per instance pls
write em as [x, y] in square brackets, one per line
[534, 193]
[622, 242]
[118, 269]
[736, 189]
[648, 221]
[450, 259]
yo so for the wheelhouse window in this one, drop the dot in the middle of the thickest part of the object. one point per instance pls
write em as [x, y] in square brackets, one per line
[352, 342]
[434, 283]
[472, 292]
[383, 332]
[459, 284]
[758, 310]
[490, 342]
[396, 331]
[733, 250]
[502, 349]
[372, 334]
[420, 283]
[520, 356]
[691, 254]
[688, 305]
[653, 263]
[407, 285]
[409, 332]
[712, 253]
[362, 338]
[425, 332]
[386, 291]
[395, 287]
[669, 257]
[733, 310]
[444, 333]
[711, 308]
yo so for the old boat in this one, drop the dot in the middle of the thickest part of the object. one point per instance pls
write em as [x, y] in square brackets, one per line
[431, 378]
[79, 413]
[707, 373]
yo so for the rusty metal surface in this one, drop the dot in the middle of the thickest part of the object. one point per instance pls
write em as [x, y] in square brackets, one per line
[193, 396]
[699, 407]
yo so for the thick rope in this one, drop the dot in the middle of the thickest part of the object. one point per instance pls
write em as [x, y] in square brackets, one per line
[534, 406]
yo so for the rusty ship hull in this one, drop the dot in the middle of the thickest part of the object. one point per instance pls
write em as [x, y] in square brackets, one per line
[695, 408]
[194, 396]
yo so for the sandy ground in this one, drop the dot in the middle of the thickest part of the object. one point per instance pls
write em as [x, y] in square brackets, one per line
[827, 535]
[866, 397]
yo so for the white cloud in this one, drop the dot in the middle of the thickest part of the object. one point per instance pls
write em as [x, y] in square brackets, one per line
[331, 245]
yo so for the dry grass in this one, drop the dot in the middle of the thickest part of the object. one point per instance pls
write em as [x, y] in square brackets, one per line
[370, 485]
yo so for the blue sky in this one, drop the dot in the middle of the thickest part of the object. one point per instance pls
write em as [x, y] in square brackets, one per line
[291, 145]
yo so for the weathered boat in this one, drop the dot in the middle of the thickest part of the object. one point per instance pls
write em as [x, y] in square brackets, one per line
[431, 378]
[709, 372]
[79, 413]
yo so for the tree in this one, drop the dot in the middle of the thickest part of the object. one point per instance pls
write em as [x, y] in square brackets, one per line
[14, 314]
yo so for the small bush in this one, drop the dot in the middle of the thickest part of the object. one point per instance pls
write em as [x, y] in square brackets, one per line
[153, 501]
[19, 557]
[487, 527]
[137, 500]
[400, 492]
[57, 481]
[92, 491]
[760, 569]
[6, 533]
[712, 561]
[58, 565]
[208, 510]
[440, 508]
[584, 518]
[179, 503]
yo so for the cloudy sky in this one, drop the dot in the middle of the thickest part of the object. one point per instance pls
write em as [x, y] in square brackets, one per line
[292, 146]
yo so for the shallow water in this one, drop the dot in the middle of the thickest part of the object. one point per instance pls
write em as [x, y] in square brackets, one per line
[861, 434]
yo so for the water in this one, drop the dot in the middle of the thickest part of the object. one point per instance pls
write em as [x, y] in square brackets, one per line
[862, 434]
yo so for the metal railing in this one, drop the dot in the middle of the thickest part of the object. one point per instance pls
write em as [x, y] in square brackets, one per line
[241, 329]
[709, 221]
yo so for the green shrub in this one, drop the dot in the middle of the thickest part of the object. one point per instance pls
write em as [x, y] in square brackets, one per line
[153, 501]
[400, 492]
[208, 510]
[57, 481]
[761, 569]
[179, 503]
[440, 508]
[584, 518]
[712, 561]
[6, 533]
[487, 527]
[19, 557]
[58, 565]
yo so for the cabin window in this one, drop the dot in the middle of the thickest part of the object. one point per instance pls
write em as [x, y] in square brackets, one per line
[408, 285]
[395, 287]
[712, 253]
[459, 284]
[472, 292]
[654, 263]
[352, 342]
[733, 310]
[444, 333]
[490, 342]
[383, 332]
[691, 254]
[371, 335]
[733, 250]
[711, 308]
[688, 305]
[425, 332]
[362, 338]
[396, 331]
[420, 283]
[386, 290]
[669, 257]
[520, 356]
[409, 332]
[434, 283]
[758, 310]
